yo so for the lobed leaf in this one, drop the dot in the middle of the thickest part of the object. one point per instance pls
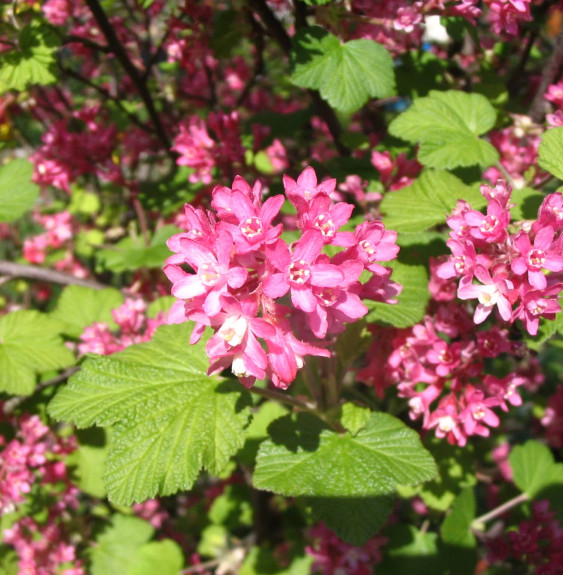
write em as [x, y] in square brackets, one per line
[447, 126]
[345, 74]
[17, 192]
[304, 456]
[29, 344]
[171, 419]
[551, 152]
[79, 307]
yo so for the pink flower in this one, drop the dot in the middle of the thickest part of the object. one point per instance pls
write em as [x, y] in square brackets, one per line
[536, 257]
[298, 272]
[301, 192]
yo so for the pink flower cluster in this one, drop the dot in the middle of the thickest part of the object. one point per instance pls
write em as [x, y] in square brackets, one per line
[31, 461]
[82, 145]
[438, 366]
[395, 173]
[518, 148]
[242, 267]
[399, 24]
[334, 557]
[502, 267]
[537, 543]
[199, 151]
[554, 95]
[506, 15]
[133, 327]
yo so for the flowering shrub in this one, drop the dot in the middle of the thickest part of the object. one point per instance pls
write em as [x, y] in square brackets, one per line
[280, 287]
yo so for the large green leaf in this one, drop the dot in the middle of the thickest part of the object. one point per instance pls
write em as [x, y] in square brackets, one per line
[170, 418]
[447, 125]
[455, 529]
[304, 456]
[17, 192]
[164, 557]
[346, 74]
[29, 344]
[412, 300]
[117, 547]
[32, 62]
[551, 152]
[353, 519]
[427, 201]
[80, 306]
[534, 469]
[132, 253]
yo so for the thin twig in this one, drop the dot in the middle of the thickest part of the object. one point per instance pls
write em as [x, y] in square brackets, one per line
[476, 524]
[121, 54]
[73, 39]
[107, 96]
[30, 272]
[14, 402]
[549, 74]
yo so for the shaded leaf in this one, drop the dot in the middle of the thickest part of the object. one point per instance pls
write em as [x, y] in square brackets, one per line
[17, 192]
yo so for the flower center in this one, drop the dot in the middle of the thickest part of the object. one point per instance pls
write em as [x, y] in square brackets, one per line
[368, 248]
[536, 259]
[488, 298]
[209, 274]
[324, 223]
[446, 424]
[488, 225]
[536, 307]
[251, 228]
[299, 272]
[478, 413]
[459, 264]
[329, 295]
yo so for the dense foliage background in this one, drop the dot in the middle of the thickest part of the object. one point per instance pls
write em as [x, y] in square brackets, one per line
[279, 287]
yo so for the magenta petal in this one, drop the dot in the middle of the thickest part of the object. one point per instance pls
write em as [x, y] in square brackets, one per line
[270, 209]
[177, 313]
[237, 277]
[504, 308]
[481, 313]
[241, 206]
[188, 288]
[352, 306]
[262, 328]
[554, 263]
[326, 275]
[309, 246]
[174, 273]
[537, 279]
[544, 238]
[469, 291]
[253, 351]
[483, 275]
[275, 286]
[318, 322]
[302, 297]
[446, 270]
[195, 253]
[212, 303]
[519, 266]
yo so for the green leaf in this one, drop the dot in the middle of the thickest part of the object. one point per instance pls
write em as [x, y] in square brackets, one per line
[132, 253]
[88, 462]
[164, 557]
[455, 529]
[456, 470]
[412, 300]
[346, 74]
[261, 561]
[527, 202]
[410, 551]
[354, 418]
[232, 508]
[117, 547]
[426, 202]
[447, 125]
[80, 306]
[33, 62]
[304, 456]
[551, 152]
[29, 344]
[170, 418]
[17, 192]
[533, 468]
[353, 519]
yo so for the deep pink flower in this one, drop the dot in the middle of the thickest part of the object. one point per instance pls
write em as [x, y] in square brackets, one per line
[299, 272]
[534, 258]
